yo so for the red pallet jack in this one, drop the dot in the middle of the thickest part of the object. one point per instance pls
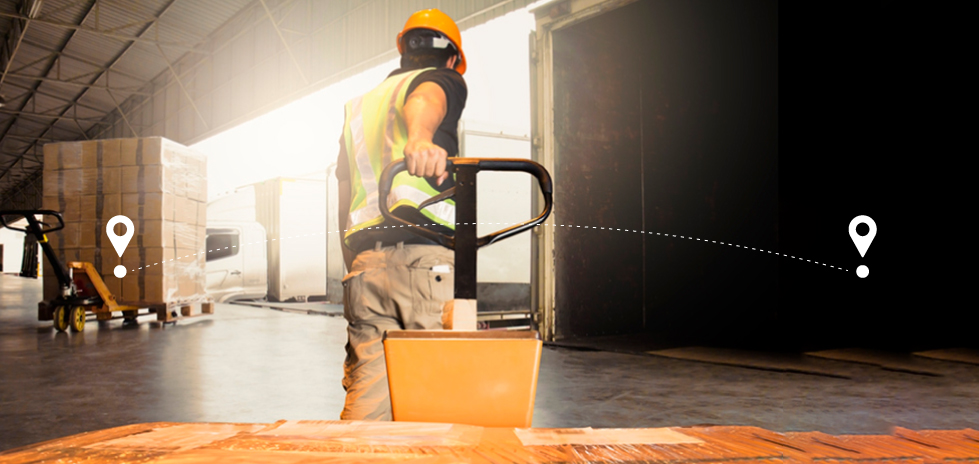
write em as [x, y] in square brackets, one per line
[464, 376]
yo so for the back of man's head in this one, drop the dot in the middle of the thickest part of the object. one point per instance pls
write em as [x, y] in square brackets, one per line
[425, 48]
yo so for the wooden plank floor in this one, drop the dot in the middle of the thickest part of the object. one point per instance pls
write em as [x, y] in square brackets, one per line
[373, 442]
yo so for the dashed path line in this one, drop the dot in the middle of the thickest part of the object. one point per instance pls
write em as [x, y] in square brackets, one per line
[569, 226]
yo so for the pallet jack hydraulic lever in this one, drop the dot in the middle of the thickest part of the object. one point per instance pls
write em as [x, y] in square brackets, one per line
[465, 243]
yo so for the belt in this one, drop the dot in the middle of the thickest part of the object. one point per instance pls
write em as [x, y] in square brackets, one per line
[368, 241]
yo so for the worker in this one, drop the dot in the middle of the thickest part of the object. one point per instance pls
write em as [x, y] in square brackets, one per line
[397, 280]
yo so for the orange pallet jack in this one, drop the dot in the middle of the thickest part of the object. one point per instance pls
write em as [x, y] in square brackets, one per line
[81, 287]
[460, 375]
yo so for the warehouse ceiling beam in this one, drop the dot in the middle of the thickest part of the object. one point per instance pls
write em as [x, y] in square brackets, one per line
[182, 46]
[79, 59]
[34, 89]
[108, 67]
[11, 154]
[181, 84]
[284, 43]
[242, 30]
[45, 117]
[9, 168]
[80, 84]
[15, 36]
[30, 138]
[12, 201]
[89, 120]
[52, 12]
[31, 92]
[123, 114]
[30, 65]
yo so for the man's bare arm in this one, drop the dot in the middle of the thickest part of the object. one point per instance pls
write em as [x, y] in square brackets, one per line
[423, 112]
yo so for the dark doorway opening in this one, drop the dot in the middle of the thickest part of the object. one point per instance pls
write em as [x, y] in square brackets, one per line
[666, 121]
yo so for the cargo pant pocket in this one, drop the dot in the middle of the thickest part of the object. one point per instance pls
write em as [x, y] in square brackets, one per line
[350, 281]
[431, 289]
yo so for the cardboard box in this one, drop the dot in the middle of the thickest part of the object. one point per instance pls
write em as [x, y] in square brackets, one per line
[149, 260]
[109, 262]
[110, 153]
[148, 206]
[160, 185]
[111, 180]
[201, 213]
[66, 155]
[87, 203]
[151, 233]
[111, 207]
[137, 179]
[90, 233]
[114, 284]
[142, 206]
[51, 161]
[63, 183]
[185, 236]
[71, 235]
[90, 154]
[89, 181]
[144, 151]
[87, 255]
[70, 212]
[188, 284]
[148, 290]
[186, 211]
[96, 212]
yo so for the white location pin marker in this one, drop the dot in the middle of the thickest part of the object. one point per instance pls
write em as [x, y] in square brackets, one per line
[863, 241]
[119, 242]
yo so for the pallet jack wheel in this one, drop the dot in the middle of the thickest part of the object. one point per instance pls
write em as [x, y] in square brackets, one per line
[60, 318]
[129, 317]
[77, 319]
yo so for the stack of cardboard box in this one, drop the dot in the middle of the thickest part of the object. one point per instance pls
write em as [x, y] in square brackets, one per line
[160, 185]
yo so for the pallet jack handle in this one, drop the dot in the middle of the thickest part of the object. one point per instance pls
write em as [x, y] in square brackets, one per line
[34, 228]
[465, 242]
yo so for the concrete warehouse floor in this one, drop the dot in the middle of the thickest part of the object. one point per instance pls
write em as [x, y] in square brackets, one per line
[249, 364]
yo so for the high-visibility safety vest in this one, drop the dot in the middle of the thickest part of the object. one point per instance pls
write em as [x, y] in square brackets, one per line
[375, 134]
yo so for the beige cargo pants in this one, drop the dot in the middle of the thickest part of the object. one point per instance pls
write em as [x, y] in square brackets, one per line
[390, 288]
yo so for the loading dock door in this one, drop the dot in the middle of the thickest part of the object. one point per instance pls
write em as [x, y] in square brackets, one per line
[664, 120]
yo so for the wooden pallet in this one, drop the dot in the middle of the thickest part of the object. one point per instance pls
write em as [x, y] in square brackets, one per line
[176, 311]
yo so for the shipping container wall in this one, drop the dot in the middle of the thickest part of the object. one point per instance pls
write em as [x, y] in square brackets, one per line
[502, 199]
[664, 120]
[12, 244]
[238, 206]
[293, 212]
[335, 268]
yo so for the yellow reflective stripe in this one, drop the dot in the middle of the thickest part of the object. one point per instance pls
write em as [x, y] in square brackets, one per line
[445, 212]
[44, 238]
[368, 178]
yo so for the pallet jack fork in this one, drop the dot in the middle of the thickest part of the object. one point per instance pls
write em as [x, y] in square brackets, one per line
[81, 287]
[486, 378]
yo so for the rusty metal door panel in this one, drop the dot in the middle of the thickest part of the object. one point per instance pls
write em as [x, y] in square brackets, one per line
[598, 146]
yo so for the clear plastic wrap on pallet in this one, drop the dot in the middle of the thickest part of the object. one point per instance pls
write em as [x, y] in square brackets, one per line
[160, 185]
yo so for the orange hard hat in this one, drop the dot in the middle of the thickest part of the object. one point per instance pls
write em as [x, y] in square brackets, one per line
[437, 21]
